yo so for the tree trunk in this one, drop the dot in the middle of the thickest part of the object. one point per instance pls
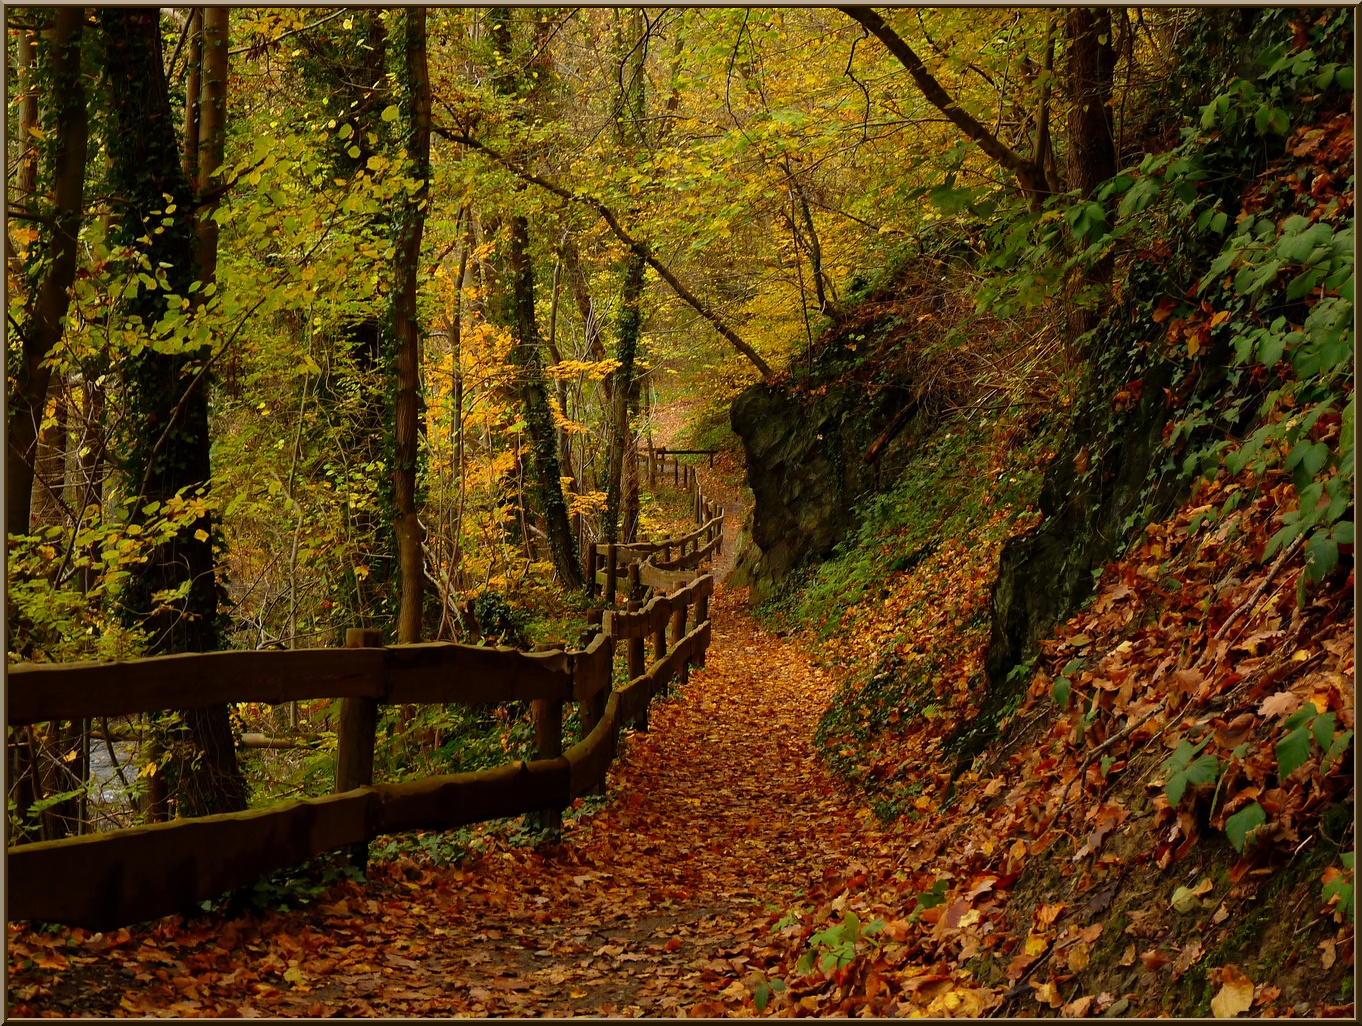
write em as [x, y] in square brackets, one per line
[192, 91]
[1092, 147]
[627, 328]
[48, 303]
[166, 423]
[26, 181]
[1092, 67]
[212, 137]
[407, 333]
[545, 475]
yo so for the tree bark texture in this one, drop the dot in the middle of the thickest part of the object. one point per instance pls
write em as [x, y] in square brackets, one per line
[627, 330]
[167, 440]
[545, 476]
[407, 332]
[1092, 146]
[50, 297]
[1092, 67]
[210, 145]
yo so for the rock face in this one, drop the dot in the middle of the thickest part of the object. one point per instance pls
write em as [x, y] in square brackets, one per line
[805, 467]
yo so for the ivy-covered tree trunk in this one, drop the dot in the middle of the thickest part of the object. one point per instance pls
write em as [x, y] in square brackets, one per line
[64, 158]
[546, 485]
[627, 330]
[406, 330]
[173, 596]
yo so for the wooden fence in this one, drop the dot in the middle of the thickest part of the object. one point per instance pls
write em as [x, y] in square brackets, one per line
[639, 565]
[101, 881]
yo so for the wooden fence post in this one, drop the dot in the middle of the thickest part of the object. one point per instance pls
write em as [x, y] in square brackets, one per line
[679, 632]
[660, 647]
[636, 662]
[701, 615]
[635, 583]
[593, 709]
[548, 744]
[591, 570]
[611, 573]
[355, 738]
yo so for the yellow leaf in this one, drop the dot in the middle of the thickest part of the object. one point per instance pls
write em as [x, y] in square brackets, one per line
[1236, 994]
[201, 534]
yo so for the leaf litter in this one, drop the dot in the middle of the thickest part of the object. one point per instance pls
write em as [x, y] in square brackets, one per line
[729, 872]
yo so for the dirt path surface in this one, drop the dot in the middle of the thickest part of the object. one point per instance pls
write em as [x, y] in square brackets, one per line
[718, 815]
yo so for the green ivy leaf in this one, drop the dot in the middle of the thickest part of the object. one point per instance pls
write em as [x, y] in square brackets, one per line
[1322, 556]
[1323, 729]
[1242, 823]
[1292, 752]
[1302, 716]
[1060, 692]
[1204, 771]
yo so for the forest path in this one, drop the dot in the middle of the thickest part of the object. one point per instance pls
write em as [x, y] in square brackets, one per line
[720, 812]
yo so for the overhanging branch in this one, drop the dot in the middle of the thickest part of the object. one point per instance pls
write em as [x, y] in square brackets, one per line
[637, 246]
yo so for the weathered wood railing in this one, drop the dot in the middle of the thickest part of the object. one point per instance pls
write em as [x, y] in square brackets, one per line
[110, 879]
[611, 566]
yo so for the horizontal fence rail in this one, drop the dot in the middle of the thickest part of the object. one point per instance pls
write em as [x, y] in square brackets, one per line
[101, 881]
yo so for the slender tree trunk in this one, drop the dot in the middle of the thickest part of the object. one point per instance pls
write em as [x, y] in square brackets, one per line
[48, 304]
[407, 332]
[1092, 147]
[212, 138]
[545, 474]
[627, 329]
[167, 439]
[26, 181]
[192, 88]
[1092, 67]
[90, 488]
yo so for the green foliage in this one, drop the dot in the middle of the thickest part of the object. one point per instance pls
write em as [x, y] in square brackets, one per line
[1239, 827]
[499, 621]
[835, 946]
[1181, 770]
[296, 887]
[1305, 725]
[1341, 886]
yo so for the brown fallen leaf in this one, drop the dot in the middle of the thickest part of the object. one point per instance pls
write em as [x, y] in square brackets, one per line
[1154, 959]
[1327, 953]
[1283, 703]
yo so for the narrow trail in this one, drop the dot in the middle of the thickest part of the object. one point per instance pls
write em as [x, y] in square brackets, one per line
[720, 810]
[718, 813]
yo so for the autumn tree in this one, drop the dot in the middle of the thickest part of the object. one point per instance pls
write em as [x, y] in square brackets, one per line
[405, 325]
[519, 310]
[165, 446]
[59, 214]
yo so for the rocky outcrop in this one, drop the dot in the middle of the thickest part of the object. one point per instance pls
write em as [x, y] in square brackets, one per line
[806, 469]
